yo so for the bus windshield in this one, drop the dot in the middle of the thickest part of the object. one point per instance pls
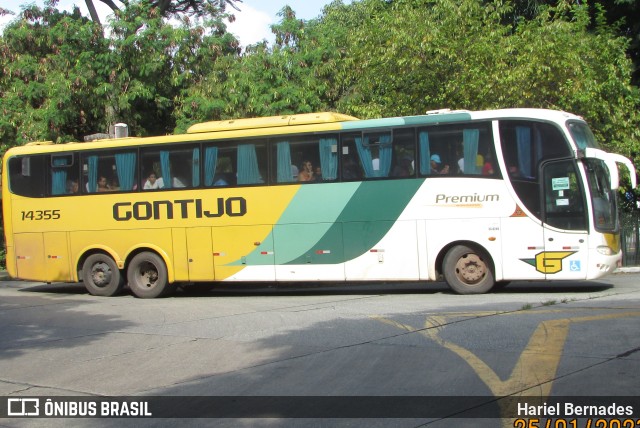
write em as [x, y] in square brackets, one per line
[582, 135]
[603, 198]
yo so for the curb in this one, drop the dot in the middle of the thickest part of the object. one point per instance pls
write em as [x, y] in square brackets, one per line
[627, 269]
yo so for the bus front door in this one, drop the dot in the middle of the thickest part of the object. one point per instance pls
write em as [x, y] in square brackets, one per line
[565, 222]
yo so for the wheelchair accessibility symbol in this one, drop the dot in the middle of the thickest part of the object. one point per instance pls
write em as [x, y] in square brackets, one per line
[574, 266]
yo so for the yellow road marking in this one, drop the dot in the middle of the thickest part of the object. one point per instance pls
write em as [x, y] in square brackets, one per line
[536, 367]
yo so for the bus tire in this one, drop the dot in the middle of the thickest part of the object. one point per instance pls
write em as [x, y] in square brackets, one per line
[147, 276]
[467, 270]
[101, 275]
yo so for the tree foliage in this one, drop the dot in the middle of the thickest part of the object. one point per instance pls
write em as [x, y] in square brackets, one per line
[170, 8]
[49, 76]
[61, 78]
[262, 82]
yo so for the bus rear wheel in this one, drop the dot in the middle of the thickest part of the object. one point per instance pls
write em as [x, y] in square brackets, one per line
[101, 275]
[467, 270]
[147, 276]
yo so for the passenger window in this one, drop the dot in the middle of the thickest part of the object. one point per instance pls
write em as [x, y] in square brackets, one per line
[457, 150]
[170, 168]
[64, 175]
[367, 155]
[251, 163]
[27, 175]
[218, 166]
[305, 159]
[351, 167]
[109, 172]
[404, 153]
[525, 144]
[229, 165]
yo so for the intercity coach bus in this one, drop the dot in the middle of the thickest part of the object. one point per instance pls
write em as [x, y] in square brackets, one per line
[475, 198]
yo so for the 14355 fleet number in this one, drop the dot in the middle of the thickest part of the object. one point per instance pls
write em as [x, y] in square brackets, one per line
[40, 215]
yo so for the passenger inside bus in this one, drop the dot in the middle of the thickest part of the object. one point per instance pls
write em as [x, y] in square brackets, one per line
[306, 174]
[436, 165]
[404, 167]
[487, 168]
[103, 185]
[73, 187]
[153, 182]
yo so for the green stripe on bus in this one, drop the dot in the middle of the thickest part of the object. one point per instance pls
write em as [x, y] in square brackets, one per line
[374, 207]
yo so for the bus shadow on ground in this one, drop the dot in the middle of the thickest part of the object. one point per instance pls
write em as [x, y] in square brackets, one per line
[387, 287]
[331, 288]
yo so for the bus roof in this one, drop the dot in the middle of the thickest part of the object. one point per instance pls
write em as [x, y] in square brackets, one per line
[303, 123]
[270, 122]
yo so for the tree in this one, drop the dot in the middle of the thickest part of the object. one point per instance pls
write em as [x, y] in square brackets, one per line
[262, 82]
[410, 56]
[48, 76]
[170, 8]
[156, 61]
[61, 78]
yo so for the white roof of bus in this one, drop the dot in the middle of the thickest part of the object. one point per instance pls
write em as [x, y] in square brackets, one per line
[528, 113]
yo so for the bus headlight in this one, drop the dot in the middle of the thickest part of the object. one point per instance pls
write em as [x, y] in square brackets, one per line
[605, 250]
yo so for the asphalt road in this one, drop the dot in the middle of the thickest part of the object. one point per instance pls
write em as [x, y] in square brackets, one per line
[395, 340]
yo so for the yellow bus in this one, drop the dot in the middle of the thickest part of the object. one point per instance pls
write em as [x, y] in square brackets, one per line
[475, 198]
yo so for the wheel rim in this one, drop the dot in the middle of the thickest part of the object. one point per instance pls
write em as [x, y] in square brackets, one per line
[101, 274]
[147, 275]
[471, 269]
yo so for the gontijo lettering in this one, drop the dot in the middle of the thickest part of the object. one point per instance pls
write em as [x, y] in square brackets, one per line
[182, 208]
[466, 199]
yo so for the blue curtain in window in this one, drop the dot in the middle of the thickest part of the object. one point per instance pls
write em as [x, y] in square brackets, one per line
[385, 152]
[283, 154]
[210, 162]
[329, 158]
[364, 152]
[470, 139]
[58, 177]
[523, 142]
[248, 172]
[92, 185]
[165, 165]
[195, 168]
[126, 169]
[425, 154]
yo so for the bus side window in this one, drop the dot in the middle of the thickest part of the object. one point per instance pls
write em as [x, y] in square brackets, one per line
[27, 175]
[109, 171]
[170, 168]
[404, 153]
[218, 166]
[251, 163]
[305, 159]
[351, 168]
[64, 174]
[438, 149]
[367, 155]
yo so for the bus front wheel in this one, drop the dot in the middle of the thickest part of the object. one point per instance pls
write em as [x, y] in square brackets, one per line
[101, 275]
[147, 276]
[467, 270]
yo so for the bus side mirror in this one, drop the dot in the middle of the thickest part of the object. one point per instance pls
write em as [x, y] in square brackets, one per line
[630, 167]
[611, 160]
